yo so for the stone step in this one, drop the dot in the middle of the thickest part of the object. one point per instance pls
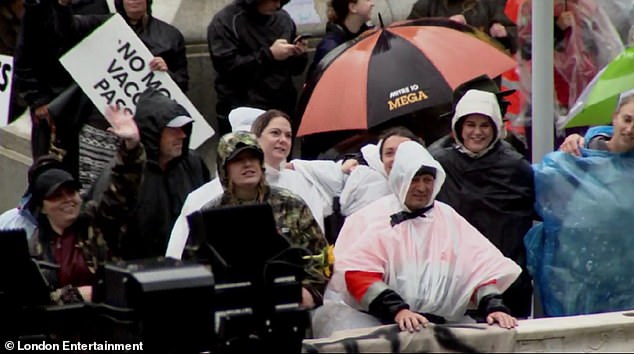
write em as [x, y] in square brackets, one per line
[17, 136]
[15, 159]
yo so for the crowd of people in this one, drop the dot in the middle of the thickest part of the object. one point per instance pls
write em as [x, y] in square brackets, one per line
[420, 235]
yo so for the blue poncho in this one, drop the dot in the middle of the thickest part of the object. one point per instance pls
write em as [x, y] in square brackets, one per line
[582, 255]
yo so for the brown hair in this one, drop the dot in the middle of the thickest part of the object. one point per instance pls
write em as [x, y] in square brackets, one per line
[262, 121]
[397, 131]
[338, 10]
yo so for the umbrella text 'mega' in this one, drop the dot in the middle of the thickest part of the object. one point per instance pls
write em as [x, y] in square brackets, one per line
[405, 96]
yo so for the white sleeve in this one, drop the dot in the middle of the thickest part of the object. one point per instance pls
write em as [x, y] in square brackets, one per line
[195, 200]
[363, 186]
[372, 156]
[325, 175]
[12, 219]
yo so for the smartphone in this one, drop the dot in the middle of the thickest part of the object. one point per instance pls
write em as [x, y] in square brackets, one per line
[302, 37]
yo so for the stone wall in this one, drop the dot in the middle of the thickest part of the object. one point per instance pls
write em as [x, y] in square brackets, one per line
[14, 162]
[602, 333]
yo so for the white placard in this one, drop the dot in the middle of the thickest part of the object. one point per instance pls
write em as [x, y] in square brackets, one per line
[302, 12]
[111, 65]
[6, 81]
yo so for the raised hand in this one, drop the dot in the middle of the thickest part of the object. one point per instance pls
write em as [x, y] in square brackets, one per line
[123, 125]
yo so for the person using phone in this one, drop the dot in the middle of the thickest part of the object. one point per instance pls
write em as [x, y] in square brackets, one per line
[253, 48]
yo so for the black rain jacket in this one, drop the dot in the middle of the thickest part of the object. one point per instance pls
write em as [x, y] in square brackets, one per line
[162, 39]
[494, 193]
[162, 192]
[239, 38]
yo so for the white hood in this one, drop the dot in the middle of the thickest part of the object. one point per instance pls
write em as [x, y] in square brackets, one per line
[242, 118]
[410, 157]
[480, 102]
[372, 156]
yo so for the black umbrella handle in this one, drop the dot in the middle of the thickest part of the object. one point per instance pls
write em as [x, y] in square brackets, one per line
[381, 21]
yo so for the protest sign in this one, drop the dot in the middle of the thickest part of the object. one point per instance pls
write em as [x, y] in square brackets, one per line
[6, 79]
[111, 65]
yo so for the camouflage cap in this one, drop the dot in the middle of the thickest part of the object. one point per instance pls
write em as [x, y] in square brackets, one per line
[231, 144]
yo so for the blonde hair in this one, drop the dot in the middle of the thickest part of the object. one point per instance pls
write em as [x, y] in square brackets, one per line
[624, 98]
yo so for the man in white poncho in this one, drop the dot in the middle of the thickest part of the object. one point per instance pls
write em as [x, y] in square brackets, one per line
[416, 259]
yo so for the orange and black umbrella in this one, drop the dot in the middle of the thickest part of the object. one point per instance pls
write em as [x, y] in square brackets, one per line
[396, 70]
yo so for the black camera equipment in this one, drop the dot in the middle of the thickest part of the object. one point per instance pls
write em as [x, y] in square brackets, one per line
[258, 279]
[165, 303]
[25, 303]
[248, 302]
[22, 283]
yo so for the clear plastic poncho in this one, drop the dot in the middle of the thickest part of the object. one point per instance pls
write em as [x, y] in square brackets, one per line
[621, 13]
[585, 47]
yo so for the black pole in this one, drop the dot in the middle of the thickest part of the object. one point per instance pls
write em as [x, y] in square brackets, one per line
[381, 21]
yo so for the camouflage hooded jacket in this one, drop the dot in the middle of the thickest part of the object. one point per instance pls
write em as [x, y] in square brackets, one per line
[293, 218]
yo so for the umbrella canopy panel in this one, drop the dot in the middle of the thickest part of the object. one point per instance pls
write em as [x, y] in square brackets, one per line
[400, 81]
[340, 89]
[599, 99]
[394, 71]
[457, 55]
